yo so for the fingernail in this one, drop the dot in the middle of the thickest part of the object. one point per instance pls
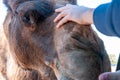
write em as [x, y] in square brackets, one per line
[56, 10]
[57, 27]
[54, 20]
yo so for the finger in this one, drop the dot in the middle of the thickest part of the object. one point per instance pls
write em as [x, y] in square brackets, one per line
[61, 15]
[61, 9]
[63, 21]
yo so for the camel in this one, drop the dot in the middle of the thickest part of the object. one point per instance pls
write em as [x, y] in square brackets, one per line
[74, 52]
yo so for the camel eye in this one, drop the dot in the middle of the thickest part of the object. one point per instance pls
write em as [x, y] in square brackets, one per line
[26, 19]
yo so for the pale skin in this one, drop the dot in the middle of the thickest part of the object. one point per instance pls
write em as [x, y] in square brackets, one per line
[78, 14]
[84, 16]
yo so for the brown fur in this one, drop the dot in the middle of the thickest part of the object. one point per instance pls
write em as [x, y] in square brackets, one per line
[3, 57]
[9, 69]
[74, 52]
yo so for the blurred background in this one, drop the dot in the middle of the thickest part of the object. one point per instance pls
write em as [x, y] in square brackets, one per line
[111, 43]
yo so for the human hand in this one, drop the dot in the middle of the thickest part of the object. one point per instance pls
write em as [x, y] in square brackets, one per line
[110, 76]
[79, 14]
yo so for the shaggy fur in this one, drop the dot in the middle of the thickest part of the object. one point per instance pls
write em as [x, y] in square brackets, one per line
[9, 70]
[74, 52]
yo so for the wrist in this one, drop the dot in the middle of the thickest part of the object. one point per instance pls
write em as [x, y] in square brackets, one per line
[89, 16]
